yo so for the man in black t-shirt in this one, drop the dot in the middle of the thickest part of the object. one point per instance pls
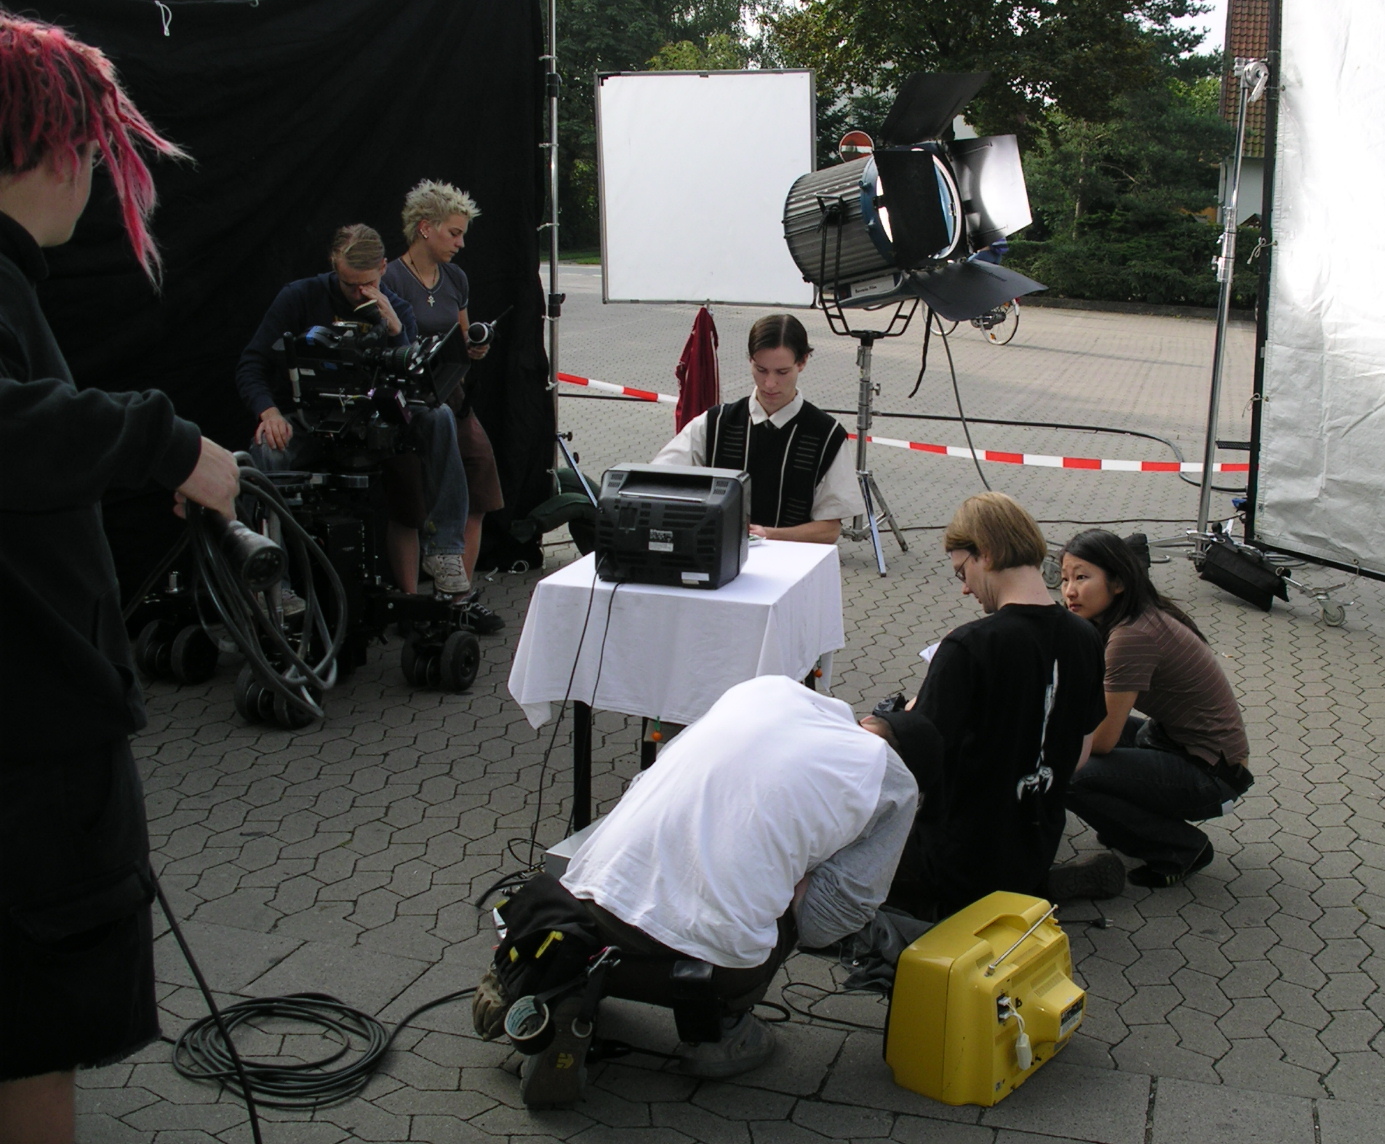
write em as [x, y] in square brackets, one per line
[1012, 700]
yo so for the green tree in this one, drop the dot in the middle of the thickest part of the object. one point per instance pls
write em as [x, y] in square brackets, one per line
[1124, 209]
[627, 35]
[1075, 56]
[721, 53]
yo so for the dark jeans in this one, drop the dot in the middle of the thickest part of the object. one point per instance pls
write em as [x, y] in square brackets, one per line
[645, 977]
[1139, 799]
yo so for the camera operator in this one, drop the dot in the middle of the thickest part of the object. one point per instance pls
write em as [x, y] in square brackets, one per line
[436, 217]
[352, 292]
[75, 932]
[1015, 697]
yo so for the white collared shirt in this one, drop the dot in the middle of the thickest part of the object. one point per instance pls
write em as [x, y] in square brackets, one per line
[836, 497]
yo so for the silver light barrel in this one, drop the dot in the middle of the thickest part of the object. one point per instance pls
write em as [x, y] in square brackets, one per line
[824, 230]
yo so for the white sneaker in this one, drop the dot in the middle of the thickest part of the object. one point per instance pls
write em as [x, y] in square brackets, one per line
[448, 573]
[746, 1043]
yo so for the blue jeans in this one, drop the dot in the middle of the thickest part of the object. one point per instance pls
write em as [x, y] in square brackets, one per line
[433, 435]
[1139, 799]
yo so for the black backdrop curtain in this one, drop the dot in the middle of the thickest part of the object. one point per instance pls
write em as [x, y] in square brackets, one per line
[300, 116]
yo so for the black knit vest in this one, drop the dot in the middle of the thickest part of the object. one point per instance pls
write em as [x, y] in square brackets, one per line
[785, 465]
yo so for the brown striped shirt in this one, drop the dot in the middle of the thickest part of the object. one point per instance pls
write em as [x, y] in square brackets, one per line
[1179, 684]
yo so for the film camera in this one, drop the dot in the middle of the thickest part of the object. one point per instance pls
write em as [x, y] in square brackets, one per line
[357, 395]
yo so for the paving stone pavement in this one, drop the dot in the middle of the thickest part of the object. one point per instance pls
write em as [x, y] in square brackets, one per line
[1246, 1005]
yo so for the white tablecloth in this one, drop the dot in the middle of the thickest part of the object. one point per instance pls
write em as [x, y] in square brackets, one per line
[670, 653]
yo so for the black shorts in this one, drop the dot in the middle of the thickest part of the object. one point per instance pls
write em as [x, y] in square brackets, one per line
[76, 944]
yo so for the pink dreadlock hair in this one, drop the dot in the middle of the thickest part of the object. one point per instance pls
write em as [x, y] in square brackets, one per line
[56, 94]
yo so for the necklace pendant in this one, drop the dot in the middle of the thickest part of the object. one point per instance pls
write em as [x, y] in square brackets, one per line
[430, 300]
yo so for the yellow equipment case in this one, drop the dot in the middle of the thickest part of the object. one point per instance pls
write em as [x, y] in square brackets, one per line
[981, 1001]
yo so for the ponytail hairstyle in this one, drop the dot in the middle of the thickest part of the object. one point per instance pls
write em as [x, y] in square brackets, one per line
[1116, 559]
[58, 94]
[356, 246]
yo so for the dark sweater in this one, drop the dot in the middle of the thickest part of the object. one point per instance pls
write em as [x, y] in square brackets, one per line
[786, 464]
[260, 376]
[66, 677]
[984, 695]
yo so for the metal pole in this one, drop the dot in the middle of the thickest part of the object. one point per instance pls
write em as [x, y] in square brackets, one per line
[1252, 75]
[863, 403]
[554, 308]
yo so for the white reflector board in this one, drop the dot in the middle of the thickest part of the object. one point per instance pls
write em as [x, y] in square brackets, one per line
[1322, 431]
[694, 170]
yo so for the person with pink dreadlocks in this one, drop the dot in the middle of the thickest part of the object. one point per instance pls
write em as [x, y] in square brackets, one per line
[77, 987]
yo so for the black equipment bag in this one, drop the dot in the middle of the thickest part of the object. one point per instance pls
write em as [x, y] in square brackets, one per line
[1243, 572]
[549, 941]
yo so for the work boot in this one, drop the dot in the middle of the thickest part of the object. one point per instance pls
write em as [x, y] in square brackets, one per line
[557, 1077]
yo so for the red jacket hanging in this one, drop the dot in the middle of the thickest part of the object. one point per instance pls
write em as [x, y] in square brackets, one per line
[699, 375]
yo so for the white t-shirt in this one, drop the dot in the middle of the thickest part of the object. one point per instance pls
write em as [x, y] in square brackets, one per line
[704, 850]
[838, 494]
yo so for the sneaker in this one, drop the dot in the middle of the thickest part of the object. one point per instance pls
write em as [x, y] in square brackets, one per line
[557, 1077]
[281, 600]
[746, 1043]
[448, 573]
[480, 618]
[1162, 879]
[1098, 876]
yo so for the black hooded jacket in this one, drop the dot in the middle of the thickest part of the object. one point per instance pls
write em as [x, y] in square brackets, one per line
[67, 681]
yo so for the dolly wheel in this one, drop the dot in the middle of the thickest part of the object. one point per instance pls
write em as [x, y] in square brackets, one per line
[459, 662]
[289, 716]
[248, 695]
[409, 663]
[192, 655]
[152, 649]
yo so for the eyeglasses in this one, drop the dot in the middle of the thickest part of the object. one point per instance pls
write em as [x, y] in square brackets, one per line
[961, 570]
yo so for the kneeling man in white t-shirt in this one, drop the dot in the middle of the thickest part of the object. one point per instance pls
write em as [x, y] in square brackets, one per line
[774, 818]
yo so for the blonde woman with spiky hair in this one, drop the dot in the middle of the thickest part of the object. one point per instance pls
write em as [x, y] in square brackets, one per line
[436, 217]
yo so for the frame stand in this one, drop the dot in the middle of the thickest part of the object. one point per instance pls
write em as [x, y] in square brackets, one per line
[877, 509]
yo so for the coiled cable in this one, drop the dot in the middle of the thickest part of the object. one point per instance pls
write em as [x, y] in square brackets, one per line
[295, 667]
[202, 1052]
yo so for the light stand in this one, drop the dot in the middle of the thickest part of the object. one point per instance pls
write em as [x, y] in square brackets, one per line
[877, 509]
[829, 300]
[1253, 75]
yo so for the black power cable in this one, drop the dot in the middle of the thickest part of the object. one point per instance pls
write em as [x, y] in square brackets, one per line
[296, 669]
[237, 1068]
[205, 1051]
[246, 611]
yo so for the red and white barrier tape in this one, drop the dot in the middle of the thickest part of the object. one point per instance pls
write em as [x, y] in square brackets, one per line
[1041, 460]
[623, 390]
[1047, 462]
